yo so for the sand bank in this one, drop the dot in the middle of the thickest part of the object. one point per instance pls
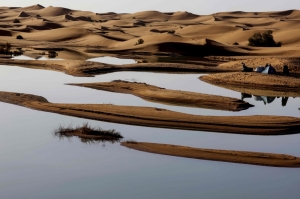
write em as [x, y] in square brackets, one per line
[254, 80]
[242, 157]
[172, 97]
[154, 117]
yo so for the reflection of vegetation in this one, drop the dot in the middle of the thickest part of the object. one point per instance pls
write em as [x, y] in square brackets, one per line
[88, 134]
[284, 101]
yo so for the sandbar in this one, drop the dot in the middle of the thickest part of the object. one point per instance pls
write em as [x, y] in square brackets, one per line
[241, 157]
[172, 97]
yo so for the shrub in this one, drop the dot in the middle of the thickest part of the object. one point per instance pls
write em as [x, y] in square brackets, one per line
[19, 37]
[171, 31]
[140, 41]
[263, 40]
[16, 21]
[236, 43]
[7, 47]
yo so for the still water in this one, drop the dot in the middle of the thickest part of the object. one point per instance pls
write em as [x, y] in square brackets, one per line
[35, 164]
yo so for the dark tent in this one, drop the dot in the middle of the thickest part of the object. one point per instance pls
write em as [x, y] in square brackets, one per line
[269, 70]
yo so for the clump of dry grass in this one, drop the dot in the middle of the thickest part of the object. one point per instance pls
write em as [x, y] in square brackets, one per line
[88, 134]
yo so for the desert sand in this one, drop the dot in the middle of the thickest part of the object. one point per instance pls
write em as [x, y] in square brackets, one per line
[242, 157]
[172, 97]
[183, 33]
[154, 117]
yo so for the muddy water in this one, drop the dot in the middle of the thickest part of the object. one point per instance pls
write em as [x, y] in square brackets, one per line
[34, 164]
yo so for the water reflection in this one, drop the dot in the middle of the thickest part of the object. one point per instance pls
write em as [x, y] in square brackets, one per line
[266, 100]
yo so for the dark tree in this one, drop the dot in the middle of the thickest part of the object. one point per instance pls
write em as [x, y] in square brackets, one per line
[265, 39]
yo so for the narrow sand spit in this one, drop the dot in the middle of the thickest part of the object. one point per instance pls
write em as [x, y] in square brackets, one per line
[172, 97]
[254, 80]
[89, 68]
[242, 157]
[154, 117]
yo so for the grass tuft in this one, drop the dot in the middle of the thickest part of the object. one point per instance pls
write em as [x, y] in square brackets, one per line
[88, 134]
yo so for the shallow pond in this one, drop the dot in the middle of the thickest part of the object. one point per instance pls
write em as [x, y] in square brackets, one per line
[35, 164]
[112, 60]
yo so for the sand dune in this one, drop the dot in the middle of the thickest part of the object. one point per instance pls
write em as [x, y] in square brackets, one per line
[23, 14]
[175, 32]
[61, 34]
[54, 11]
[33, 7]
[154, 117]
[150, 15]
[241, 157]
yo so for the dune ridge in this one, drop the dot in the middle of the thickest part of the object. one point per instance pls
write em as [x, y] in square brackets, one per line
[175, 32]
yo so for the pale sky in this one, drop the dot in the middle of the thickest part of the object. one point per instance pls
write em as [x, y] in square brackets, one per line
[194, 6]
